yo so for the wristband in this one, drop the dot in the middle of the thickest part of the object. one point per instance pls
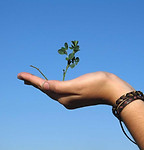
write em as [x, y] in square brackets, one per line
[124, 100]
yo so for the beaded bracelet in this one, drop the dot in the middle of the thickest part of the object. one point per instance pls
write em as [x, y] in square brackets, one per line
[122, 102]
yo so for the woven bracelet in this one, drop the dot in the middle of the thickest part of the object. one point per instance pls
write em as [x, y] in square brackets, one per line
[122, 102]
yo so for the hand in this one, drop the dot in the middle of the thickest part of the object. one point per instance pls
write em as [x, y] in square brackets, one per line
[89, 89]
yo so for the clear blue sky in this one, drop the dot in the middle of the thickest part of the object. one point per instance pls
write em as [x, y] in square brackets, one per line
[111, 36]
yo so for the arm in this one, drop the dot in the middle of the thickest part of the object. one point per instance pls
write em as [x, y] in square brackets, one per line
[93, 89]
[133, 117]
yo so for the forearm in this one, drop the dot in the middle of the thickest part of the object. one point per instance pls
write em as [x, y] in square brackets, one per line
[133, 117]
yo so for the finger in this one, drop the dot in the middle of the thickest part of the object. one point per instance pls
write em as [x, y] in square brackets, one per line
[31, 79]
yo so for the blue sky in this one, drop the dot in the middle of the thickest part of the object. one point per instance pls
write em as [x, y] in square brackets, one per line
[111, 37]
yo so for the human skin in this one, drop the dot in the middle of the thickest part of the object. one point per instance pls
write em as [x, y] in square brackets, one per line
[93, 89]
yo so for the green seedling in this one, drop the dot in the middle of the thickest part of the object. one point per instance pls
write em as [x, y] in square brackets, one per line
[72, 61]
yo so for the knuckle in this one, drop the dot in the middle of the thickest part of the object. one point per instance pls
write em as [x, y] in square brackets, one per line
[105, 75]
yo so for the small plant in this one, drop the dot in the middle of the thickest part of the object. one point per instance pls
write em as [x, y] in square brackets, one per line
[72, 61]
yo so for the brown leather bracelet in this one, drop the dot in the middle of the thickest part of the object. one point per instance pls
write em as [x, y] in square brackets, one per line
[124, 100]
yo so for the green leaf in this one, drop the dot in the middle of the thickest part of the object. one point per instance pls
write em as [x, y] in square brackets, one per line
[66, 46]
[63, 48]
[71, 55]
[62, 51]
[75, 43]
[72, 65]
[76, 49]
[70, 47]
[77, 60]
[67, 58]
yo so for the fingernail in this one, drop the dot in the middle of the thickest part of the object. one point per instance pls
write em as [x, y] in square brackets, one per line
[46, 86]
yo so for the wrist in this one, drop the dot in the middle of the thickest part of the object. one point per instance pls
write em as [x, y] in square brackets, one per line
[117, 88]
[132, 110]
[125, 100]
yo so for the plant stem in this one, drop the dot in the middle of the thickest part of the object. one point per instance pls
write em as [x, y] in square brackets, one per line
[65, 72]
[39, 71]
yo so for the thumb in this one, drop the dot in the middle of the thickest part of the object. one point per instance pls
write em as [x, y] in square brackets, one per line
[59, 87]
